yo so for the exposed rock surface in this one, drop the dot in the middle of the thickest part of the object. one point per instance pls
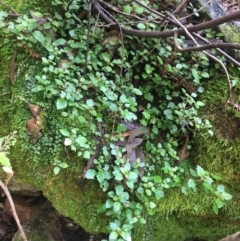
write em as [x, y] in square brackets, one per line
[215, 10]
[25, 207]
[18, 188]
[44, 225]
[234, 237]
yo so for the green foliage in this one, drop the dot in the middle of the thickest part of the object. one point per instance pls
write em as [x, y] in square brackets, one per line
[5, 144]
[82, 88]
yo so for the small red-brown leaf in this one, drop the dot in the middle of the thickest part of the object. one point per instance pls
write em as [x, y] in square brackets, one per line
[31, 126]
[39, 19]
[35, 110]
[33, 130]
[126, 133]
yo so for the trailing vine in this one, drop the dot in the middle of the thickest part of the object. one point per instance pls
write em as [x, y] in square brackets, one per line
[128, 114]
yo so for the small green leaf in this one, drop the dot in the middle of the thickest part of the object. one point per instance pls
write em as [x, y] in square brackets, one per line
[200, 171]
[132, 176]
[130, 184]
[90, 174]
[86, 154]
[215, 209]
[196, 76]
[127, 9]
[184, 190]
[205, 75]
[108, 68]
[116, 206]
[38, 36]
[137, 91]
[167, 112]
[90, 102]
[61, 103]
[118, 175]
[191, 184]
[3, 14]
[101, 177]
[210, 132]
[148, 69]
[59, 41]
[68, 15]
[200, 89]
[148, 96]
[4, 160]
[221, 188]
[56, 170]
[63, 165]
[219, 203]
[193, 173]
[159, 193]
[179, 66]
[81, 140]
[142, 220]
[109, 203]
[157, 179]
[64, 132]
[200, 103]
[119, 189]
[138, 9]
[113, 235]
[152, 205]
[226, 196]
[113, 226]
[149, 192]
[141, 26]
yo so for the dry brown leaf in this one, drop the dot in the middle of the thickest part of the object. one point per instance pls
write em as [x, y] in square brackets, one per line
[35, 110]
[39, 19]
[184, 153]
[34, 125]
[34, 54]
[115, 39]
[33, 130]
[12, 67]
[112, 41]
[141, 108]
[126, 133]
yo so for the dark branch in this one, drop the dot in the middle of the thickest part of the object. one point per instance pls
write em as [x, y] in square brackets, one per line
[164, 34]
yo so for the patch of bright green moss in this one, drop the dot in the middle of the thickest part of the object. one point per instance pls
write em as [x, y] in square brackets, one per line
[178, 217]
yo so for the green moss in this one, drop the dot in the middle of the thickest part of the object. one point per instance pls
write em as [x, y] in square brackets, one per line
[178, 217]
[230, 32]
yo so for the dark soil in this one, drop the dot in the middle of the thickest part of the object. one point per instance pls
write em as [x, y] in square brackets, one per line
[70, 231]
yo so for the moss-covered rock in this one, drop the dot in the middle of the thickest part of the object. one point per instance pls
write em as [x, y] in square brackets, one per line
[44, 225]
[177, 216]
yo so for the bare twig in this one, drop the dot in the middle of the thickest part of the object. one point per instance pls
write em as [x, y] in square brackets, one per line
[165, 34]
[9, 197]
[22, 64]
[233, 104]
[180, 7]
[144, 56]
[196, 11]
[88, 38]
[208, 54]
[22, 99]
[128, 14]
[9, 8]
[121, 33]
[211, 46]
[218, 49]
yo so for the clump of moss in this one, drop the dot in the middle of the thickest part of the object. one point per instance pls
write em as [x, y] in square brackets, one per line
[178, 217]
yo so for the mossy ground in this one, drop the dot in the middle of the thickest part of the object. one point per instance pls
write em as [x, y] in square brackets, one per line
[178, 217]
